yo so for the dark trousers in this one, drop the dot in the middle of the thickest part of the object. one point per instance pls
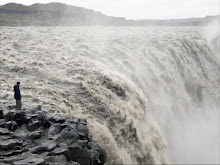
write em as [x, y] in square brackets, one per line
[18, 104]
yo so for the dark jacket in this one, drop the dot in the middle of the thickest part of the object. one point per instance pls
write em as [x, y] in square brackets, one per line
[17, 94]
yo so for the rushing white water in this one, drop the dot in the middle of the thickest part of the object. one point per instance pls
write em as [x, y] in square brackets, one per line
[150, 94]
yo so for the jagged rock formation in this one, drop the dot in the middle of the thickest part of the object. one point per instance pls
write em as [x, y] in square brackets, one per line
[35, 137]
[58, 14]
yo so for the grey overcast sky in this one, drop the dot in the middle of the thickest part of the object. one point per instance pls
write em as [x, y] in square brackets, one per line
[141, 9]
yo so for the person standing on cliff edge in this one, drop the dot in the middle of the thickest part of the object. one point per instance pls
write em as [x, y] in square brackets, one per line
[17, 96]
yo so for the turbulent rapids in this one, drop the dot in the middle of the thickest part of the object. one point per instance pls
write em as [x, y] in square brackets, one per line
[150, 94]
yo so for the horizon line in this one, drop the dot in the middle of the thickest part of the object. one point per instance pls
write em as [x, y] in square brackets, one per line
[131, 19]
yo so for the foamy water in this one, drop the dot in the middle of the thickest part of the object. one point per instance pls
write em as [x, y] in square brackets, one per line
[150, 95]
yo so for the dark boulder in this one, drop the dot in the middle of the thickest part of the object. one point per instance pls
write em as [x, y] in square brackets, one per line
[93, 145]
[2, 123]
[14, 126]
[9, 144]
[46, 146]
[33, 125]
[29, 159]
[49, 145]
[83, 121]
[44, 121]
[1, 114]
[70, 136]
[4, 131]
[73, 120]
[34, 135]
[22, 120]
[82, 130]
[19, 114]
[8, 115]
[12, 153]
[78, 154]
[38, 149]
[59, 159]
[54, 129]
[8, 125]
[102, 156]
[11, 125]
[20, 134]
[56, 119]
[62, 151]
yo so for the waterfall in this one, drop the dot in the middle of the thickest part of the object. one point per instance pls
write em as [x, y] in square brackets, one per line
[150, 94]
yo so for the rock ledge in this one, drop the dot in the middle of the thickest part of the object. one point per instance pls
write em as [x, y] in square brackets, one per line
[36, 137]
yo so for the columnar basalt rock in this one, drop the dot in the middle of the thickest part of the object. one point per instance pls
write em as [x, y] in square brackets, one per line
[35, 137]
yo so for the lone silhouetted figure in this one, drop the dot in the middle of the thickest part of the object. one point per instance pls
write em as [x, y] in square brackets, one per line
[17, 96]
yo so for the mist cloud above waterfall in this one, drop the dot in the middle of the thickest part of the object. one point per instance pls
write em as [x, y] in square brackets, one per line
[212, 34]
[142, 9]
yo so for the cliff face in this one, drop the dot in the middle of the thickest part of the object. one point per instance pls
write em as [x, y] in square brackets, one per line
[58, 14]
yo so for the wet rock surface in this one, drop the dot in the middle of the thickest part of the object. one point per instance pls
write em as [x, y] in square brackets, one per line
[35, 137]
